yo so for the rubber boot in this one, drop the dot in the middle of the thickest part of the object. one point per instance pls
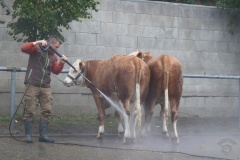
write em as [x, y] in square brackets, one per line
[43, 127]
[28, 131]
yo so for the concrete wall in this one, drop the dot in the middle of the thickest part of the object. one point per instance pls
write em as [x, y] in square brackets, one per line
[196, 35]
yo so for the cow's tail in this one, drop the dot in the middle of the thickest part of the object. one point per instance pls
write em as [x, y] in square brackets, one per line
[166, 70]
[138, 94]
[138, 105]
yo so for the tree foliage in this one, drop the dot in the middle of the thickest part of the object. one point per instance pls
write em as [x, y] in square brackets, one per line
[38, 19]
[199, 2]
[233, 8]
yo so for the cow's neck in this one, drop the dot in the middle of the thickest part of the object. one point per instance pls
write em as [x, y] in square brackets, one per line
[90, 70]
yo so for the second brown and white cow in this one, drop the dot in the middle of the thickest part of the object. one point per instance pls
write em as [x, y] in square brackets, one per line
[122, 78]
[165, 89]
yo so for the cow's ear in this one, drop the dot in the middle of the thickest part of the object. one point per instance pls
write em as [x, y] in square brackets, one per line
[82, 65]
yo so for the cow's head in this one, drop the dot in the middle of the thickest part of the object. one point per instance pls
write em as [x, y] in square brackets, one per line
[74, 76]
[140, 54]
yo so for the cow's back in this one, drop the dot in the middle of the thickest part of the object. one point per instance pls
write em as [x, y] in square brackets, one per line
[174, 70]
[127, 71]
[119, 75]
[166, 73]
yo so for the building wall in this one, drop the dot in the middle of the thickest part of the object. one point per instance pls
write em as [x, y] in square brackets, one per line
[196, 35]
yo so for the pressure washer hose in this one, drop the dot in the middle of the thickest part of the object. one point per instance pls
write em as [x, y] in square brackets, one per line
[11, 121]
[92, 146]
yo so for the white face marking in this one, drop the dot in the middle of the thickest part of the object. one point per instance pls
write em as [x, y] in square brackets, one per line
[135, 53]
[68, 82]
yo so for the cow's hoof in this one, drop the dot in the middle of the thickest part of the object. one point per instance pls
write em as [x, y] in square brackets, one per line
[175, 140]
[100, 136]
[144, 133]
[128, 141]
[165, 134]
[120, 134]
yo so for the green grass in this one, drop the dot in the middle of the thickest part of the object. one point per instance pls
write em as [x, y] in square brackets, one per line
[65, 119]
[4, 118]
[82, 120]
[65, 123]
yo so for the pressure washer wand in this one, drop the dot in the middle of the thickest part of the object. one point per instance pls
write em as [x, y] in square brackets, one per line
[59, 55]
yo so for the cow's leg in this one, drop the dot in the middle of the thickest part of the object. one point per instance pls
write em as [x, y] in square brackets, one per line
[137, 122]
[101, 112]
[120, 125]
[164, 114]
[164, 122]
[101, 126]
[126, 120]
[118, 115]
[148, 109]
[174, 116]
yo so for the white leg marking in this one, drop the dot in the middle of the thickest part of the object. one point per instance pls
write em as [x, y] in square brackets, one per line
[126, 123]
[145, 130]
[120, 121]
[148, 128]
[164, 127]
[120, 128]
[175, 134]
[100, 131]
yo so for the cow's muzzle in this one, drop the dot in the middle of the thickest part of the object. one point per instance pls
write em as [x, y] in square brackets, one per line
[74, 80]
[68, 84]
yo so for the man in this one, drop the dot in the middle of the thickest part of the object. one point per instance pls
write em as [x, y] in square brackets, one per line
[40, 65]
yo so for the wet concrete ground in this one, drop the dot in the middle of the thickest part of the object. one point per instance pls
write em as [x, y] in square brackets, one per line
[87, 148]
[224, 146]
[199, 139]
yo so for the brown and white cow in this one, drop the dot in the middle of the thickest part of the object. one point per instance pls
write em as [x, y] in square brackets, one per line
[122, 78]
[165, 89]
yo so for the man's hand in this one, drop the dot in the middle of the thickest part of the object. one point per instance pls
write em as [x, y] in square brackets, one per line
[63, 58]
[44, 42]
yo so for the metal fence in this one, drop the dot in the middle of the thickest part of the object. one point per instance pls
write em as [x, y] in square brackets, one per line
[14, 71]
